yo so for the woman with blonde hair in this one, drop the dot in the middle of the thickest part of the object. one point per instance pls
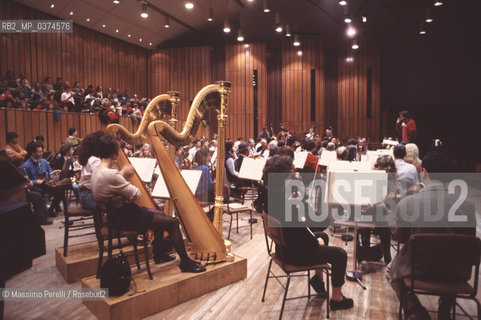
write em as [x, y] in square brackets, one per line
[412, 156]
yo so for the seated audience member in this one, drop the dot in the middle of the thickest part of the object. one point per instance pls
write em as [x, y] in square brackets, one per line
[19, 152]
[67, 98]
[302, 247]
[64, 162]
[204, 192]
[38, 171]
[89, 158]
[231, 172]
[73, 137]
[342, 153]
[108, 182]
[436, 194]
[412, 156]
[406, 172]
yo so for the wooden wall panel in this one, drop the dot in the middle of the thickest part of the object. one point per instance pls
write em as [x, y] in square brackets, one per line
[240, 63]
[186, 70]
[296, 86]
[84, 55]
[352, 85]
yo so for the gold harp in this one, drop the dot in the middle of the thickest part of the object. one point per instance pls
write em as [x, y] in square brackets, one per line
[205, 239]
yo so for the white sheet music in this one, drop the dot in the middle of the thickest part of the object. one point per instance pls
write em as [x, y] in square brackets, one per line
[327, 157]
[356, 188]
[390, 142]
[191, 177]
[300, 159]
[354, 166]
[252, 169]
[144, 167]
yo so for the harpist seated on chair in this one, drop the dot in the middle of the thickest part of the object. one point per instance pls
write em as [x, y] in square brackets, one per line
[108, 182]
[302, 247]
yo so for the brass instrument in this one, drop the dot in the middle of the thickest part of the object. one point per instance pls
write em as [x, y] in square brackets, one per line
[206, 241]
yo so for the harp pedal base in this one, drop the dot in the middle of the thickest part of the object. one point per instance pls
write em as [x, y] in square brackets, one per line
[169, 288]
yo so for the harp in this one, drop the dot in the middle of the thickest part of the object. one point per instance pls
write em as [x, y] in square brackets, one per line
[205, 239]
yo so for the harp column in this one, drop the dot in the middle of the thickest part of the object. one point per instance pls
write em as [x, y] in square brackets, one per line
[174, 98]
[224, 90]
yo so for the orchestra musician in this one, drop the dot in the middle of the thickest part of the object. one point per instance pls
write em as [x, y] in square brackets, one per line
[108, 182]
[38, 172]
[302, 247]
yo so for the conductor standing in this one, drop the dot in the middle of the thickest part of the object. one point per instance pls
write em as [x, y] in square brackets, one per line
[406, 127]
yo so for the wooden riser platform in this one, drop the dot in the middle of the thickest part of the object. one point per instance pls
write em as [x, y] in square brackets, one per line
[169, 288]
[81, 260]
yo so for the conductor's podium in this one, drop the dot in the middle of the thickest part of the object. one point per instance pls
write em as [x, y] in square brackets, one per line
[169, 288]
[81, 260]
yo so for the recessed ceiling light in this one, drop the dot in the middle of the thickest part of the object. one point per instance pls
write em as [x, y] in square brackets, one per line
[88, 19]
[296, 42]
[355, 45]
[422, 28]
[438, 3]
[117, 30]
[71, 13]
[116, 1]
[429, 17]
[144, 13]
[240, 36]
[266, 7]
[103, 26]
[189, 5]
[129, 35]
[299, 53]
[167, 22]
[364, 19]
[150, 43]
[140, 39]
[52, 6]
[347, 19]
[211, 14]
[351, 32]
[288, 31]
[342, 2]
[226, 27]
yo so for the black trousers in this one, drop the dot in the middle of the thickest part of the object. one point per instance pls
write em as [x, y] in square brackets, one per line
[335, 256]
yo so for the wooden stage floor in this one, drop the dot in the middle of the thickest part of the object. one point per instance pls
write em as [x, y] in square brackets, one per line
[241, 300]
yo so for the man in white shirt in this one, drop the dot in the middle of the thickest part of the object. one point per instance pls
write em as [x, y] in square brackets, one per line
[67, 98]
[194, 149]
[406, 172]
